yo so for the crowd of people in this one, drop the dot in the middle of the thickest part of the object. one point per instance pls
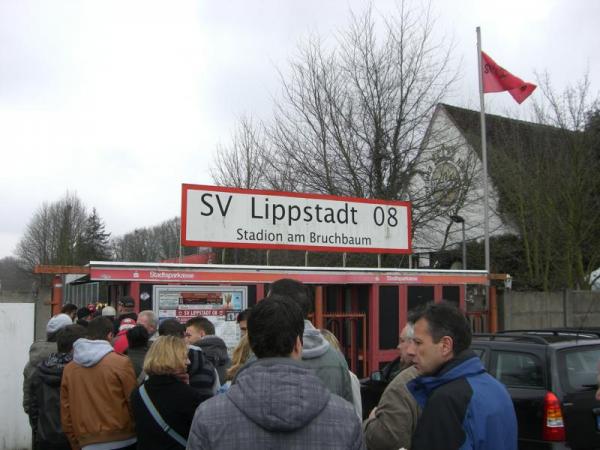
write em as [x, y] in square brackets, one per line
[111, 379]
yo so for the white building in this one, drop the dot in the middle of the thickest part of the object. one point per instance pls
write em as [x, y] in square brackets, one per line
[451, 174]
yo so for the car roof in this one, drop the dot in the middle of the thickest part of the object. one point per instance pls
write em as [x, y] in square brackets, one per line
[588, 332]
[541, 337]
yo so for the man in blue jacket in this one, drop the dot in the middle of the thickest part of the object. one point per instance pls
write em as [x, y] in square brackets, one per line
[463, 406]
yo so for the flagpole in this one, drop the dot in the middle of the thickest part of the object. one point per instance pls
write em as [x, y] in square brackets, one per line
[486, 222]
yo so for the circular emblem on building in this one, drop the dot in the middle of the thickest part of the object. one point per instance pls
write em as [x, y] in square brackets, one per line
[445, 183]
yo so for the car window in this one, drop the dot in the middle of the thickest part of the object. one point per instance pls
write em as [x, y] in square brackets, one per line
[482, 354]
[517, 369]
[578, 367]
[479, 352]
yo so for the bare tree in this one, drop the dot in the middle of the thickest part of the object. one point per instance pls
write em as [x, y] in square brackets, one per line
[550, 186]
[351, 117]
[351, 120]
[53, 233]
[149, 244]
[242, 163]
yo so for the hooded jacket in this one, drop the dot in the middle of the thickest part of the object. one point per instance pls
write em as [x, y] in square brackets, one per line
[38, 352]
[44, 411]
[215, 350]
[95, 395]
[276, 403]
[328, 364]
[464, 407]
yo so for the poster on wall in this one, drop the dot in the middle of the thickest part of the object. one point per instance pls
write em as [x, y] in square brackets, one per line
[219, 304]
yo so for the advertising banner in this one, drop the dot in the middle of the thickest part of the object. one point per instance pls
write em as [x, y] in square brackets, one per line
[230, 217]
[219, 304]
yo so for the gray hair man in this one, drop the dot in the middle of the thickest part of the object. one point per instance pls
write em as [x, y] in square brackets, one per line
[392, 423]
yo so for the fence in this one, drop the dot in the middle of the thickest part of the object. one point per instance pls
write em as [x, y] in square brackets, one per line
[81, 294]
[568, 308]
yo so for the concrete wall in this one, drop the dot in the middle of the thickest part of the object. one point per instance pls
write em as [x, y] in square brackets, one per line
[42, 310]
[551, 309]
[16, 332]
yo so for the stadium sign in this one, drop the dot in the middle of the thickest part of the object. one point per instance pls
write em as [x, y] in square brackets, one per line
[217, 216]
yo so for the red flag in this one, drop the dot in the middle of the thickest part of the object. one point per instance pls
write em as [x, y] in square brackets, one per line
[498, 79]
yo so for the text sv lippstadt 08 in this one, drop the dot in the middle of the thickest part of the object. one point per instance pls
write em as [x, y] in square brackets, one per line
[277, 213]
[269, 219]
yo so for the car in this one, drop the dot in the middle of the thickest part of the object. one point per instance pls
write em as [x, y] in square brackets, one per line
[551, 376]
[371, 388]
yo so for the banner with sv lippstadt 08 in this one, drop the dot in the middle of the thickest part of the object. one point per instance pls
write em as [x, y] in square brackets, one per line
[216, 216]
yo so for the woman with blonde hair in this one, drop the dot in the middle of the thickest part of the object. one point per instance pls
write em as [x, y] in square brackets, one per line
[163, 399]
[241, 354]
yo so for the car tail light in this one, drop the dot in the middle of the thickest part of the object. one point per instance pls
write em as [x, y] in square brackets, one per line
[554, 426]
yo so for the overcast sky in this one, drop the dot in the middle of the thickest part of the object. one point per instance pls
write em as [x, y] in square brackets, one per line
[122, 101]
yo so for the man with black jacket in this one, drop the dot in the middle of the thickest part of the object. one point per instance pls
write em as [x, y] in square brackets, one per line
[463, 406]
[200, 332]
[44, 406]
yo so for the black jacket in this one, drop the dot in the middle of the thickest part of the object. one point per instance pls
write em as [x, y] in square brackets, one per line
[44, 412]
[215, 351]
[175, 401]
[136, 356]
[202, 372]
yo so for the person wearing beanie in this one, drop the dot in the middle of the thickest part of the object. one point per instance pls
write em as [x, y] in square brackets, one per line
[44, 408]
[56, 323]
[110, 312]
[41, 350]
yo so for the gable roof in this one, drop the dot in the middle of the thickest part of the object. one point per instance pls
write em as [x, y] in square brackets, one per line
[502, 132]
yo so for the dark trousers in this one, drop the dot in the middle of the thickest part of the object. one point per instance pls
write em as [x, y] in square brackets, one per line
[48, 446]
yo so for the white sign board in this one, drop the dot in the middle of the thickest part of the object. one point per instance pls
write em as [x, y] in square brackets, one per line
[229, 217]
[16, 334]
[219, 304]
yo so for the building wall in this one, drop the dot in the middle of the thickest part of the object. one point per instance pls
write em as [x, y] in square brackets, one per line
[16, 332]
[444, 141]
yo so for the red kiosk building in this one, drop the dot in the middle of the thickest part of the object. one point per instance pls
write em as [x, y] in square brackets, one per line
[365, 308]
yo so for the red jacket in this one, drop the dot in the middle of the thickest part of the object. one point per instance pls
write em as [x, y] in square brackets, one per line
[120, 343]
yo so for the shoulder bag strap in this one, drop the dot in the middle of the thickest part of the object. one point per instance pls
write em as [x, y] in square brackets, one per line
[154, 412]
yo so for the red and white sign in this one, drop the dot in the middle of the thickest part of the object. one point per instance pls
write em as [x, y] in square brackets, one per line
[189, 313]
[261, 276]
[230, 217]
